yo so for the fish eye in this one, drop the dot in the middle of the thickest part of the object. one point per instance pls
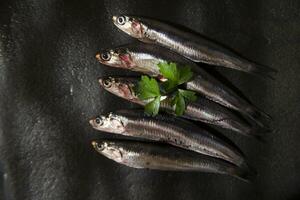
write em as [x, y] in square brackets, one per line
[105, 56]
[107, 83]
[99, 121]
[100, 146]
[121, 20]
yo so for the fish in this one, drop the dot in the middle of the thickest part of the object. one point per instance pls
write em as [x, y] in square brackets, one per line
[145, 155]
[202, 110]
[145, 59]
[168, 129]
[187, 44]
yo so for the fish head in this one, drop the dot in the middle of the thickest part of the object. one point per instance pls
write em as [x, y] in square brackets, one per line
[111, 123]
[108, 149]
[130, 25]
[118, 58]
[119, 87]
[109, 57]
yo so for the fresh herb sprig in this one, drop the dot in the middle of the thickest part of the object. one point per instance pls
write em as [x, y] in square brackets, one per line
[149, 89]
[181, 99]
[175, 76]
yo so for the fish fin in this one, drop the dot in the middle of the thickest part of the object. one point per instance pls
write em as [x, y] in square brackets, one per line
[246, 174]
[146, 40]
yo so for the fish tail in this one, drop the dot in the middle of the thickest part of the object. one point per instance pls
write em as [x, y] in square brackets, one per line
[252, 68]
[262, 71]
[258, 116]
[259, 133]
[246, 174]
[258, 137]
[238, 63]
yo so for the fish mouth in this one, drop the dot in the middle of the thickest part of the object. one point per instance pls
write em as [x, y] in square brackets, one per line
[94, 144]
[98, 146]
[91, 122]
[99, 59]
[114, 18]
[100, 80]
[98, 56]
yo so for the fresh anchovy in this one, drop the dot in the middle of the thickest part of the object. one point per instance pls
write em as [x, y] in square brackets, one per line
[170, 130]
[144, 58]
[202, 110]
[190, 45]
[163, 157]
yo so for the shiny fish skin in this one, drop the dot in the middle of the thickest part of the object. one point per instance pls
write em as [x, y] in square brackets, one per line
[144, 58]
[190, 45]
[142, 155]
[202, 110]
[168, 129]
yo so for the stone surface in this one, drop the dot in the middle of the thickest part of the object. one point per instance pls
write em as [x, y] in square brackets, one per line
[49, 90]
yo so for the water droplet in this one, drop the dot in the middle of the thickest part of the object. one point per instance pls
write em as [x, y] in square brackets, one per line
[71, 90]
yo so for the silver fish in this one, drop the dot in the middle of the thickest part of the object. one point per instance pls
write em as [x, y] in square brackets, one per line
[202, 110]
[190, 45]
[170, 130]
[163, 157]
[145, 58]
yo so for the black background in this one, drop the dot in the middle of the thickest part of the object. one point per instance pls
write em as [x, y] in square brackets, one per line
[49, 90]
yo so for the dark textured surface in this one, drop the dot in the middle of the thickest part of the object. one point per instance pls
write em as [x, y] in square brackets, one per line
[48, 90]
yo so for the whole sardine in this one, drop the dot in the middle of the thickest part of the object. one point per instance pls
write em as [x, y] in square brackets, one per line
[190, 45]
[145, 58]
[168, 129]
[163, 157]
[202, 110]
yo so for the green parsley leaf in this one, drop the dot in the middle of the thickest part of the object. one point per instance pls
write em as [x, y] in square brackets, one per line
[175, 76]
[168, 85]
[179, 104]
[148, 88]
[185, 74]
[169, 71]
[181, 99]
[189, 96]
[152, 108]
